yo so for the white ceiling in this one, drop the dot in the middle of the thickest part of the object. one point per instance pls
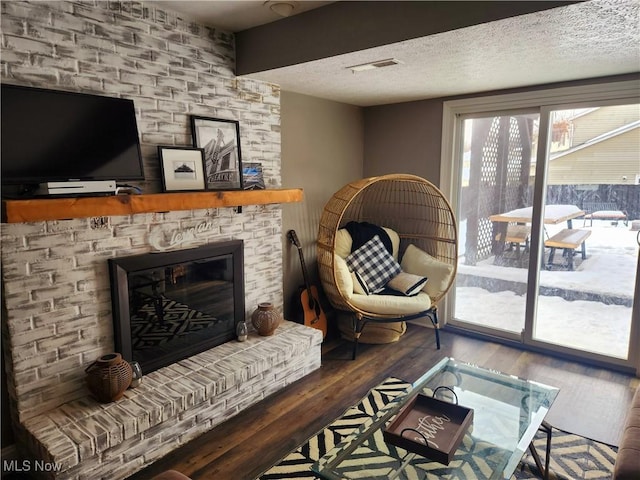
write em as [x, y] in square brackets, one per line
[233, 15]
[584, 40]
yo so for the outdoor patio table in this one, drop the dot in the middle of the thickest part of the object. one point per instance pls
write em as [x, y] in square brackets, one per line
[553, 215]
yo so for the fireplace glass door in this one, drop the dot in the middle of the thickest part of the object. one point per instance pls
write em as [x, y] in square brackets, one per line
[175, 309]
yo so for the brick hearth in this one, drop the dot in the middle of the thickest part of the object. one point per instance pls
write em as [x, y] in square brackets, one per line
[88, 440]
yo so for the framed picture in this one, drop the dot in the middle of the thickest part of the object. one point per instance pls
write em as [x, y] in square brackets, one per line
[252, 178]
[220, 140]
[182, 168]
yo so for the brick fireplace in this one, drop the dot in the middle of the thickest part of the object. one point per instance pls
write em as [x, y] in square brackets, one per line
[57, 315]
[58, 309]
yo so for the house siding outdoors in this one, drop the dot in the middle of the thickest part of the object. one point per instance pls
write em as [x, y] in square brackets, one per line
[604, 163]
[601, 120]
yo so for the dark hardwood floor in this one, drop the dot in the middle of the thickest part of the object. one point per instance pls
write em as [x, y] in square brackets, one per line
[592, 401]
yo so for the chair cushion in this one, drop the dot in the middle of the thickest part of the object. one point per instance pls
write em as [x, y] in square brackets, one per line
[346, 281]
[383, 304]
[419, 262]
[392, 304]
[343, 242]
[373, 265]
[344, 278]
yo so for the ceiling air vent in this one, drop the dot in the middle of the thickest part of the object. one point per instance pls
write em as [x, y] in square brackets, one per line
[387, 62]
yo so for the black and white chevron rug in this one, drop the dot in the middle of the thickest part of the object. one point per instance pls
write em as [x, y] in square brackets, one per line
[572, 457]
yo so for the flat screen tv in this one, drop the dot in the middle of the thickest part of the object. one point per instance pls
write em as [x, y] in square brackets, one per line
[51, 135]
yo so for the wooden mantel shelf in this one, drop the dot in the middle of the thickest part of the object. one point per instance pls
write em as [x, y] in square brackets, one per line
[42, 209]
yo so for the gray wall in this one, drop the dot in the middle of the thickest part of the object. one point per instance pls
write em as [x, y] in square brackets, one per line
[407, 137]
[327, 144]
[404, 138]
[322, 150]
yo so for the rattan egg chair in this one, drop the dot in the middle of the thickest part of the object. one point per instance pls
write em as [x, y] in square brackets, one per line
[409, 205]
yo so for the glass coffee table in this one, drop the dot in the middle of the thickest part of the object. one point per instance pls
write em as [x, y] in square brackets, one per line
[507, 413]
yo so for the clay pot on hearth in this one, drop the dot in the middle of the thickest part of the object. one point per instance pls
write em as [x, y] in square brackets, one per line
[109, 377]
[266, 319]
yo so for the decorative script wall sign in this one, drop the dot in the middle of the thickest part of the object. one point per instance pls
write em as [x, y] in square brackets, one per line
[162, 241]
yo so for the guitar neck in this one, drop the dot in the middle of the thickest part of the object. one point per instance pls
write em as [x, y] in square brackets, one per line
[305, 274]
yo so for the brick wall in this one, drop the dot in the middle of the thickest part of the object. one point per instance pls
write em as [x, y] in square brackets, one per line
[54, 274]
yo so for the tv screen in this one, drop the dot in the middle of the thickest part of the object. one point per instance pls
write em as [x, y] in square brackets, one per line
[50, 135]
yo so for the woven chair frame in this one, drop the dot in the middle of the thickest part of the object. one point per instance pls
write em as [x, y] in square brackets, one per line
[410, 205]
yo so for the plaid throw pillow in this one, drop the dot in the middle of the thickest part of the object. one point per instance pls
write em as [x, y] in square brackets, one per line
[373, 264]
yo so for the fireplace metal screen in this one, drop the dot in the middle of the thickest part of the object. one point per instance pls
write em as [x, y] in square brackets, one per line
[171, 305]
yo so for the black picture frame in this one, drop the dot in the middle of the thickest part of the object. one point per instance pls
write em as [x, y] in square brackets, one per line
[183, 169]
[220, 140]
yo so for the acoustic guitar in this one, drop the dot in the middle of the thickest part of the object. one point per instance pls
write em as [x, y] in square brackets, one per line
[313, 314]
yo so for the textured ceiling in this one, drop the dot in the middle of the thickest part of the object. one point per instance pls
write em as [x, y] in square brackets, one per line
[584, 40]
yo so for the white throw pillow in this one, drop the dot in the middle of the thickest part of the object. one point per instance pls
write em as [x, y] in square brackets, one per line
[419, 262]
[407, 283]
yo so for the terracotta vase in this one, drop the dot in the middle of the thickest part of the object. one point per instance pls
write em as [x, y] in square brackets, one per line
[109, 377]
[266, 319]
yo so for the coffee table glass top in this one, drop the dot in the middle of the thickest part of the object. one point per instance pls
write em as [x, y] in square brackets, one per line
[507, 412]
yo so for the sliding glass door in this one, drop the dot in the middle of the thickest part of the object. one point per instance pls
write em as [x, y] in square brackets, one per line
[496, 176]
[586, 289]
[546, 199]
